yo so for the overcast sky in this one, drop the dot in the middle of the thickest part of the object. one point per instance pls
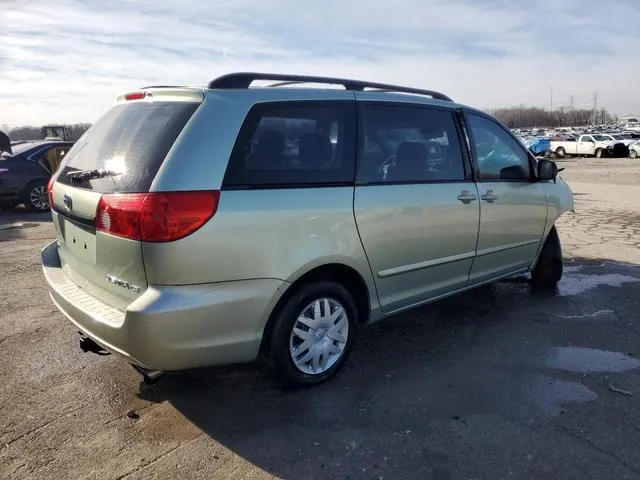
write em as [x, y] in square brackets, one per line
[66, 60]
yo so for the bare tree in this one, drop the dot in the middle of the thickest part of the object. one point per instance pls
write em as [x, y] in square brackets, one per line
[74, 131]
[522, 116]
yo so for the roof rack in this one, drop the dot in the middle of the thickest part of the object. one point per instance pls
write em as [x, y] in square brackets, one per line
[245, 79]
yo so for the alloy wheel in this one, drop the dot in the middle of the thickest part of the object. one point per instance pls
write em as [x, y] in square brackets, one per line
[38, 198]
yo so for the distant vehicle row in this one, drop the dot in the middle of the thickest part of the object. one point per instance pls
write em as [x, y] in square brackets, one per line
[592, 145]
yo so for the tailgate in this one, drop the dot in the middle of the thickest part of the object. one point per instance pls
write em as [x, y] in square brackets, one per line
[117, 158]
[109, 268]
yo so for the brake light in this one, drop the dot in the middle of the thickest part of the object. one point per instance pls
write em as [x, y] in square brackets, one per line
[155, 217]
[135, 96]
[4, 170]
[50, 192]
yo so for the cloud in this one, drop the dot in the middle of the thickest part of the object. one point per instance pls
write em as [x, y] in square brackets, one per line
[68, 60]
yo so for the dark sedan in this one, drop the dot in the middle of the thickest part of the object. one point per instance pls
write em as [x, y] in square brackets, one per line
[24, 174]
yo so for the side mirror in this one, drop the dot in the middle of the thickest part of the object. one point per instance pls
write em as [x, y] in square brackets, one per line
[514, 172]
[547, 170]
[5, 143]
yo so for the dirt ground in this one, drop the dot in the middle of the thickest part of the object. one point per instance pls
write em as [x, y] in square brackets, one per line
[503, 382]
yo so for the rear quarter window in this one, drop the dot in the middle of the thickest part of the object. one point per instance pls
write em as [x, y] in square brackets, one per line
[131, 139]
[294, 144]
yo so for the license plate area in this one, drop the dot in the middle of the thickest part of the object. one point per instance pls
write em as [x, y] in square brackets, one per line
[79, 240]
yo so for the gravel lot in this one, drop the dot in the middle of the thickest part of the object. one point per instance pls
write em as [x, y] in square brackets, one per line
[498, 383]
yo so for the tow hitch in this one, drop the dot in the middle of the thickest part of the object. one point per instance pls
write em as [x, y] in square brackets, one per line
[148, 376]
[88, 345]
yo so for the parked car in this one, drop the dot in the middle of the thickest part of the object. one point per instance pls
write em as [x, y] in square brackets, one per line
[207, 226]
[24, 174]
[618, 138]
[632, 124]
[634, 149]
[588, 145]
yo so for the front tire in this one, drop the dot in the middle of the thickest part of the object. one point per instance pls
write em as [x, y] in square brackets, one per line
[548, 271]
[313, 334]
[633, 154]
[36, 197]
[599, 153]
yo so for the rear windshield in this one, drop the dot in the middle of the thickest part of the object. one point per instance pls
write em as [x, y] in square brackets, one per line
[18, 149]
[131, 140]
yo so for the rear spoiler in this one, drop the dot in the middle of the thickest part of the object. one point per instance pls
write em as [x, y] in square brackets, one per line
[5, 143]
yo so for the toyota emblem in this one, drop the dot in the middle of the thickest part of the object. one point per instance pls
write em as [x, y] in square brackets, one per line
[68, 203]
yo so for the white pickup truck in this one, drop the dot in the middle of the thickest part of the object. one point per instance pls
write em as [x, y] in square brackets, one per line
[591, 145]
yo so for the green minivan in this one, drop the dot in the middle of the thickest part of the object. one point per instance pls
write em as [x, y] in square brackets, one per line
[271, 215]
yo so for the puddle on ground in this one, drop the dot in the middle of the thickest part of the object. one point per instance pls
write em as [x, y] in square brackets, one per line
[551, 396]
[587, 360]
[574, 269]
[583, 316]
[9, 226]
[574, 283]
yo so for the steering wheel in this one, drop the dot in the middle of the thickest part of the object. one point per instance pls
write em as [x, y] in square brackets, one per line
[490, 156]
[383, 169]
[438, 149]
[431, 170]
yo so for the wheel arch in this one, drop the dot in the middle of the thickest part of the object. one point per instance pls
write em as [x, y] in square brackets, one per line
[551, 236]
[31, 182]
[340, 272]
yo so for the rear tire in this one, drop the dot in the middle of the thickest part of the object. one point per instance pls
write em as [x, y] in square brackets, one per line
[633, 154]
[548, 271]
[308, 352]
[561, 152]
[36, 197]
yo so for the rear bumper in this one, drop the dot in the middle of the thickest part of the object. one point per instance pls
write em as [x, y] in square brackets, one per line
[171, 327]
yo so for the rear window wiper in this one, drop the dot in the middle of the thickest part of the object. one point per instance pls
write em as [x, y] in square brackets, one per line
[84, 175]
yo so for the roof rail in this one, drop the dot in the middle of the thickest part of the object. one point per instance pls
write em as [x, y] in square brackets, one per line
[244, 80]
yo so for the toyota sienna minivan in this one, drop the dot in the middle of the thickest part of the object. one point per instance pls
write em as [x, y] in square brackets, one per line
[208, 226]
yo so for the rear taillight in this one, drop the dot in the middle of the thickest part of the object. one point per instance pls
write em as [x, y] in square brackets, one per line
[50, 193]
[155, 217]
[3, 170]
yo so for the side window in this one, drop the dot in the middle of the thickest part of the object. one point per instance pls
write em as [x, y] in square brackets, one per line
[500, 156]
[409, 144]
[39, 155]
[294, 143]
[56, 159]
[587, 138]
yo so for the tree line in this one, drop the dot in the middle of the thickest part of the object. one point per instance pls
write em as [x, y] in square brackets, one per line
[523, 116]
[74, 132]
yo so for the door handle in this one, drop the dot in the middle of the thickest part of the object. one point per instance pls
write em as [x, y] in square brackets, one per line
[489, 196]
[466, 197]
